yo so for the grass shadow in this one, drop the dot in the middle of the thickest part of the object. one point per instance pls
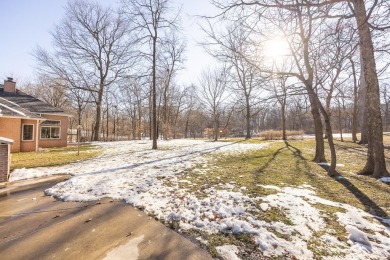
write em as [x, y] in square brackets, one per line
[270, 160]
[370, 206]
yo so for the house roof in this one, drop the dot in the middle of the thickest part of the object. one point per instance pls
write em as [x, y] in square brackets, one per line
[4, 140]
[20, 104]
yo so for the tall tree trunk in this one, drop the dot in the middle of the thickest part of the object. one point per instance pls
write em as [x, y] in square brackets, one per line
[107, 122]
[216, 127]
[165, 115]
[186, 128]
[318, 130]
[332, 169]
[93, 131]
[79, 111]
[98, 115]
[284, 134]
[248, 118]
[355, 103]
[154, 94]
[362, 110]
[139, 121]
[340, 126]
[375, 164]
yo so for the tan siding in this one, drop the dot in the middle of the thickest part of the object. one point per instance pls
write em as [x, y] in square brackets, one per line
[28, 146]
[11, 128]
[62, 142]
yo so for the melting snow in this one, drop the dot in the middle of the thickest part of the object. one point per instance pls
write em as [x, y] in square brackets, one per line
[228, 252]
[149, 179]
[385, 179]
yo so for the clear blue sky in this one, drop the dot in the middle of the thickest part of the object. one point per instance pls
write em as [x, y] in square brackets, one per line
[25, 24]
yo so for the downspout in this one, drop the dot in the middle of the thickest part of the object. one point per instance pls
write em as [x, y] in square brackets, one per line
[36, 136]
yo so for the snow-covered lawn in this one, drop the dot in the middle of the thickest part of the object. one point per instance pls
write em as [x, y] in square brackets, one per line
[152, 180]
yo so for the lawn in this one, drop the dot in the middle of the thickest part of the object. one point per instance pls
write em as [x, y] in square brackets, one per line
[53, 156]
[260, 199]
[288, 164]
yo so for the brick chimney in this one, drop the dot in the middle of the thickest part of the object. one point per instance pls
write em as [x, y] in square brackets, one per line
[9, 85]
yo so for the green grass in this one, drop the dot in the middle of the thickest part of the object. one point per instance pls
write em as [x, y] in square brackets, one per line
[290, 164]
[53, 156]
[244, 241]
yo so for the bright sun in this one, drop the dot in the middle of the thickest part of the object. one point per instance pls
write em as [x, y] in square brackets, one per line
[276, 48]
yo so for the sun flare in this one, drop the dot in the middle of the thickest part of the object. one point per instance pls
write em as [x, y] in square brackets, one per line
[276, 48]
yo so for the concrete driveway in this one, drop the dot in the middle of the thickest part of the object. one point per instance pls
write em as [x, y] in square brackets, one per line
[35, 226]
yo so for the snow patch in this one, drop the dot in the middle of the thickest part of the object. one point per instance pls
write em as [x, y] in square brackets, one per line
[228, 252]
[385, 179]
[357, 236]
[264, 206]
[132, 172]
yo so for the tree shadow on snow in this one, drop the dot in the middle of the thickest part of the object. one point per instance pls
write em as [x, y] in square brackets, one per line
[370, 206]
[183, 158]
[301, 165]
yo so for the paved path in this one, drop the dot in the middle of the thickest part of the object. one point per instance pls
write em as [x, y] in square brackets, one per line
[34, 226]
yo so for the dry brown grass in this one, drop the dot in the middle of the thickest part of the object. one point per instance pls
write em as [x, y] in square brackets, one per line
[53, 156]
[278, 134]
[347, 138]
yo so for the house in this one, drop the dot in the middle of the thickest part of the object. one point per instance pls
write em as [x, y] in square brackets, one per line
[30, 122]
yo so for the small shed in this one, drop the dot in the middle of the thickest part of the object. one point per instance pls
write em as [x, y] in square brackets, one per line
[5, 158]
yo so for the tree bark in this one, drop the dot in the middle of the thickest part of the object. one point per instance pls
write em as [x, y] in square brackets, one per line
[248, 118]
[98, 115]
[216, 127]
[375, 164]
[362, 110]
[107, 124]
[318, 129]
[284, 134]
[154, 94]
[355, 103]
[332, 169]
[186, 128]
[340, 126]
[314, 97]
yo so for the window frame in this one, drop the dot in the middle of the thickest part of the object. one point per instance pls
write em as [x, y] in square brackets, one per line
[32, 135]
[50, 126]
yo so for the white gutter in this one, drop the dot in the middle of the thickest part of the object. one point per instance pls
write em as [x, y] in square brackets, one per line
[56, 114]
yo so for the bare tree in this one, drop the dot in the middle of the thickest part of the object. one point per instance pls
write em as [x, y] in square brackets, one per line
[280, 89]
[92, 48]
[330, 9]
[171, 58]
[212, 86]
[231, 46]
[50, 90]
[375, 165]
[151, 18]
[355, 100]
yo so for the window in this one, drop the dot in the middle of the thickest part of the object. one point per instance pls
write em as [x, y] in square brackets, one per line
[28, 133]
[50, 129]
